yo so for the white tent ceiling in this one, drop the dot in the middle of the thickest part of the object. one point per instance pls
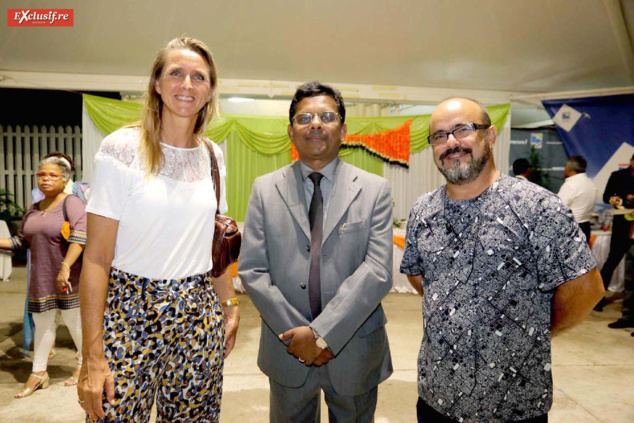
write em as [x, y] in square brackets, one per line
[512, 46]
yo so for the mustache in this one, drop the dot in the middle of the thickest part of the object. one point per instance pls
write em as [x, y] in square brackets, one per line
[457, 149]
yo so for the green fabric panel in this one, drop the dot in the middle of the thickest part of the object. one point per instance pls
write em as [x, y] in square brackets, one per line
[266, 135]
[362, 159]
[109, 115]
[243, 166]
[418, 133]
[499, 114]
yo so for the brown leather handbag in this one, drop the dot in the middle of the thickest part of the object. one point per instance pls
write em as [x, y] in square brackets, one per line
[227, 238]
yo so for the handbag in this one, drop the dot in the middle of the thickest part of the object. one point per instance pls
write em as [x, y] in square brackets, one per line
[227, 238]
[66, 225]
[66, 229]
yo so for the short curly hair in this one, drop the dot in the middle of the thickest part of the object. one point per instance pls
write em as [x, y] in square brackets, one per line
[63, 164]
[313, 89]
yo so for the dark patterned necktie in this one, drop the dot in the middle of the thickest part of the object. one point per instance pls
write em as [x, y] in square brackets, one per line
[316, 218]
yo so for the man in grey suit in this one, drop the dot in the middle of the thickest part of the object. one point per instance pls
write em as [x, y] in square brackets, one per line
[316, 261]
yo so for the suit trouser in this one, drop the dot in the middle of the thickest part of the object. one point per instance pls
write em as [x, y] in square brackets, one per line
[628, 300]
[303, 404]
[619, 244]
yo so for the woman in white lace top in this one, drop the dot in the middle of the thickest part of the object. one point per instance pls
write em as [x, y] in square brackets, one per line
[146, 282]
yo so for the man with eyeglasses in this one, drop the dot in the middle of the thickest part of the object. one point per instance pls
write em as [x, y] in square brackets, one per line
[502, 267]
[316, 261]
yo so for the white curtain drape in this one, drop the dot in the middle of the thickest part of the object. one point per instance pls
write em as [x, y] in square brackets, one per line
[91, 140]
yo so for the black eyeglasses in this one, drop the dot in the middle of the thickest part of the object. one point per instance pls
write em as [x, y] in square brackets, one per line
[463, 131]
[324, 117]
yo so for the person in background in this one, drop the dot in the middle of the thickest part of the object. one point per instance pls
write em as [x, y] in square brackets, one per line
[502, 267]
[619, 193]
[522, 169]
[80, 190]
[54, 229]
[77, 188]
[579, 192]
[157, 326]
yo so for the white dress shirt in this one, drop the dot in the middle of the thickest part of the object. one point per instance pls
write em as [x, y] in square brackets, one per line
[580, 194]
[327, 184]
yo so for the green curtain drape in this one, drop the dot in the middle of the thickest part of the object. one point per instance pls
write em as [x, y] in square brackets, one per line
[267, 135]
[108, 115]
[362, 159]
[243, 166]
[257, 145]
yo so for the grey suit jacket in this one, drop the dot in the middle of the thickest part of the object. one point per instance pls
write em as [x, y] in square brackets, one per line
[356, 273]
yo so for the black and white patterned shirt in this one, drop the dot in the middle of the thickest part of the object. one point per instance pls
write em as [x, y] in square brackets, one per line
[490, 266]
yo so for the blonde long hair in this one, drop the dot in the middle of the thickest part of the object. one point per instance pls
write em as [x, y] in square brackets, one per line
[150, 123]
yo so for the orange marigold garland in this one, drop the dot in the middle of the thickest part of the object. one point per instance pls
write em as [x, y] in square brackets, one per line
[392, 146]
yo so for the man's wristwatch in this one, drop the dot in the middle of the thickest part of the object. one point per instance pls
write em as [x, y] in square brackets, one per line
[321, 342]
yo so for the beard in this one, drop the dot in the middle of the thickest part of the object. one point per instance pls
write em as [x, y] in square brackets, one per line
[460, 174]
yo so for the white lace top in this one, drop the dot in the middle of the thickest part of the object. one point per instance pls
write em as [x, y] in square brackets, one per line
[166, 223]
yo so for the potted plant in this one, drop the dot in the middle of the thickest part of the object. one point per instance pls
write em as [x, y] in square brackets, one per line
[538, 175]
[10, 211]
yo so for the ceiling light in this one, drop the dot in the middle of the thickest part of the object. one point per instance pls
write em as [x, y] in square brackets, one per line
[239, 99]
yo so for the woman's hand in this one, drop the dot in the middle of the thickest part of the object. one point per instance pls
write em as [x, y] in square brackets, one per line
[95, 376]
[223, 285]
[63, 284]
[232, 321]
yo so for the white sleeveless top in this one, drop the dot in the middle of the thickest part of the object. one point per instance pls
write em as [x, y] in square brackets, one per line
[166, 222]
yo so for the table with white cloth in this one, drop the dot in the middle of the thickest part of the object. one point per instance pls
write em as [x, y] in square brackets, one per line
[5, 256]
[400, 282]
[600, 245]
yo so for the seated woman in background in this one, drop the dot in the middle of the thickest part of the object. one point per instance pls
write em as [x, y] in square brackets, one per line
[55, 231]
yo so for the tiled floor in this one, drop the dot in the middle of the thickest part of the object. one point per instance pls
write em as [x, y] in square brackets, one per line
[593, 368]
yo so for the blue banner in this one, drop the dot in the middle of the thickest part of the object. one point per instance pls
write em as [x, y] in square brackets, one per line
[601, 129]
